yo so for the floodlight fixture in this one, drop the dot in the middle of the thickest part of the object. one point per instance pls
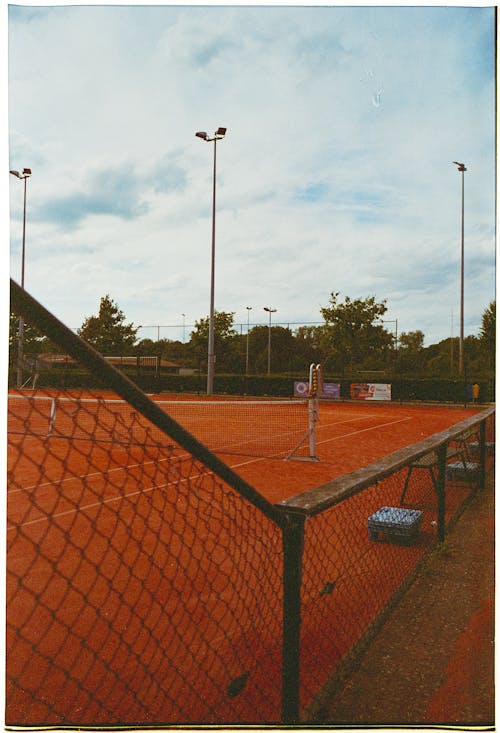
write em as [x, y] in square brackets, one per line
[25, 174]
[218, 135]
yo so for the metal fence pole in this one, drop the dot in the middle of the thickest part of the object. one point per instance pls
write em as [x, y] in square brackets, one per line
[441, 493]
[482, 455]
[293, 548]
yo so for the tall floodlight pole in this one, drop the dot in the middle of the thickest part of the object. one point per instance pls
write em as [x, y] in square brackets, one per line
[461, 169]
[270, 311]
[20, 349]
[249, 308]
[218, 135]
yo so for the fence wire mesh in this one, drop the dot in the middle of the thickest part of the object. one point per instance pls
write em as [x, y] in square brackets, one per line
[350, 574]
[133, 581]
[146, 582]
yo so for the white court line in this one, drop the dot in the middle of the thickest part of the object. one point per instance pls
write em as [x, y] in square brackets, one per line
[84, 476]
[160, 486]
[98, 504]
[110, 500]
[363, 430]
[322, 424]
[117, 468]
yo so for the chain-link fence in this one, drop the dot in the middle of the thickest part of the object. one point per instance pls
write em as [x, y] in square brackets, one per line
[364, 537]
[148, 584]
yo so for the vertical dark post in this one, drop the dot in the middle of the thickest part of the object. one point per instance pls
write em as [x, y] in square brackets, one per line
[441, 479]
[462, 169]
[293, 548]
[211, 323]
[482, 455]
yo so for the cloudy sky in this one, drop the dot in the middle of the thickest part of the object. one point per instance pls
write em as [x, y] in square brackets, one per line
[336, 172]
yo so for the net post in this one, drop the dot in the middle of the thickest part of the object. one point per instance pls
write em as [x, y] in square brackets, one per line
[312, 380]
[319, 377]
[315, 388]
[313, 419]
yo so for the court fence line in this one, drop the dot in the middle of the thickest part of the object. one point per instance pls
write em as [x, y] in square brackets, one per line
[174, 592]
[452, 465]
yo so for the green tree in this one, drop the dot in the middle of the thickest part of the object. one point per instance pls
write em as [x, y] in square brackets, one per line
[226, 345]
[33, 340]
[175, 351]
[354, 331]
[487, 333]
[148, 347]
[411, 351]
[307, 347]
[108, 332]
[282, 349]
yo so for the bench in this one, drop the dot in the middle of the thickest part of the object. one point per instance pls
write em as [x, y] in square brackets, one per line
[474, 448]
[461, 470]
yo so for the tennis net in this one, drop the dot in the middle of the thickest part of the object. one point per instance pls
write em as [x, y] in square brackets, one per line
[263, 428]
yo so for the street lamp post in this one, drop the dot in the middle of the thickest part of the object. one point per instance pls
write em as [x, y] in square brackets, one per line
[249, 308]
[218, 135]
[269, 310]
[20, 349]
[461, 169]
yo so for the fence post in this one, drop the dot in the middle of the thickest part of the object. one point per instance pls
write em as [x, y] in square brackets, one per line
[293, 548]
[482, 455]
[441, 493]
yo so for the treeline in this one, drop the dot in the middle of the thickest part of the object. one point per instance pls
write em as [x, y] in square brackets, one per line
[352, 341]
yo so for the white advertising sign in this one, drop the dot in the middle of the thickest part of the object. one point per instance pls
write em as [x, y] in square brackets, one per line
[370, 391]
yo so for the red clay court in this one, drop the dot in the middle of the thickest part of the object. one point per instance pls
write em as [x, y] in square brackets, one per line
[121, 546]
[348, 436]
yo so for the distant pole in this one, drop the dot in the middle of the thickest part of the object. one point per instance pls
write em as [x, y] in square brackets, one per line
[270, 311]
[461, 169]
[183, 327]
[219, 134]
[20, 348]
[249, 308]
[451, 344]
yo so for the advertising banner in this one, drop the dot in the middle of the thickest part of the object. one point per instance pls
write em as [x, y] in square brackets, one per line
[370, 391]
[330, 390]
[301, 389]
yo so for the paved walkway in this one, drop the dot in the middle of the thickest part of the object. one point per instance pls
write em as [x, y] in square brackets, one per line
[433, 661]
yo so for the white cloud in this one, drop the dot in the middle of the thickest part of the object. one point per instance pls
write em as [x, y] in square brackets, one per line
[335, 173]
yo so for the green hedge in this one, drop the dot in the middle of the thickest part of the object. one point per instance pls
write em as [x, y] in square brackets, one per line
[434, 390]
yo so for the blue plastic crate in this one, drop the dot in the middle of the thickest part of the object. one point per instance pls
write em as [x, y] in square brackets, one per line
[459, 471]
[396, 523]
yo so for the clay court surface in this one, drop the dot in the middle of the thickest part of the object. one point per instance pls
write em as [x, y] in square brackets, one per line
[348, 436]
[91, 523]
